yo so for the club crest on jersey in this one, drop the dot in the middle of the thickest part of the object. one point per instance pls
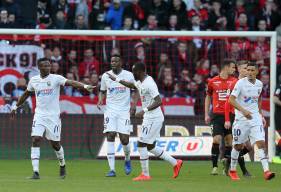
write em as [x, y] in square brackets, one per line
[49, 83]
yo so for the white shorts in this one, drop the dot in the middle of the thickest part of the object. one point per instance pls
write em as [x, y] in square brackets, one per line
[244, 130]
[117, 122]
[150, 130]
[50, 125]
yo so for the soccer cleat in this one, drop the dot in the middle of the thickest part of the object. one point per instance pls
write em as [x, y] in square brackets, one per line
[247, 174]
[128, 167]
[177, 168]
[225, 165]
[214, 171]
[233, 175]
[35, 176]
[142, 177]
[62, 172]
[268, 175]
[111, 174]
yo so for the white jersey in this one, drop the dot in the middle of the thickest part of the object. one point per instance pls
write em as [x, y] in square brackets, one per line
[247, 95]
[118, 97]
[47, 93]
[148, 91]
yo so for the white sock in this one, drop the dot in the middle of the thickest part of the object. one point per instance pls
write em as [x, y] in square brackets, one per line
[264, 159]
[144, 160]
[35, 156]
[111, 155]
[126, 149]
[234, 159]
[60, 156]
[158, 152]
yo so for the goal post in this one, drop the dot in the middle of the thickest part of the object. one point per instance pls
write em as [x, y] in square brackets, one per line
[13, 33]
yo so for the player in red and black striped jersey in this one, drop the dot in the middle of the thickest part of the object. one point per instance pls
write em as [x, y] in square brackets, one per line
[229, 110]
[218, 89]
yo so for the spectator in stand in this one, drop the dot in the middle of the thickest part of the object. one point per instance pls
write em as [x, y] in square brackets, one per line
[4, 20]
[200, 10]
[214, 71]
[57, 55]
[67, 10]
[28, 13]
[241, 24]
[114, 15]
[48, 53]
[159, 8]
[183, 80]
[55, 68]
[136, 10]
[83, 9]
[79, 23]
[59, 20]
[233, 12]
[167, 86]
[235, 51]
[140, 52]
[195, 26]
[152, 23]
[261, 26]
[68, 90]
[89, 64]
[178, 8]
[74, 70]
[127, 23]
[173, 23]
[43, 14]
[217, 19]
[21, 86]
[71, 60]
[265, 79]
[13, 8]
[12, 21]
[94, 80]
[203, 68]
[271, 16]
[164, 61]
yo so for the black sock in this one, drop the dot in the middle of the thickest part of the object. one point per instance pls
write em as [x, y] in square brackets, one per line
[227, 154]
[244, 151]
[215, 154]
[242, 164]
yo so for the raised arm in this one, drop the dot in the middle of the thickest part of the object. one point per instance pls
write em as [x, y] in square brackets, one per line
[125, 83]
[157, 102]
[135, 98]
[102, 95]
[79, 85]
[21, 100]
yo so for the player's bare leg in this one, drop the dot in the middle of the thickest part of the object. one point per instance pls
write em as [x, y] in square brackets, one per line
[144, 160]
[215, 153]
[158, 152]
[126, 148]
[60, 155]
[264, 160]
[110, 136]
[234, 160]
[35, 156]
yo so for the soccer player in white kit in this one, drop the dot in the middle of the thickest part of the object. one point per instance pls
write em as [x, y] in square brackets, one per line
[47, 112]
[248, 123]
[117, 112]
[153, 120]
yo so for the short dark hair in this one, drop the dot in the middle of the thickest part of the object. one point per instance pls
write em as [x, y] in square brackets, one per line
[42, 60]
[253, 64]
[139, 66]
[227, 62]
[116, 55]
[242, 62]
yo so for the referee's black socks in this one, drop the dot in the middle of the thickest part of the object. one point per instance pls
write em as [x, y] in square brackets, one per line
[215, 154]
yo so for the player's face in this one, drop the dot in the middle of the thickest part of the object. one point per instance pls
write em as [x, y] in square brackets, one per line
[44, 67]
[115, 63]
[242, 69]
[231, 69]
[252, 72]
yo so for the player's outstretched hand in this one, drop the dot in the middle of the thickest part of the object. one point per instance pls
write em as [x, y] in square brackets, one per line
[89, 88]
[111, 76]
[247, 114]
[227, 125]
[139, 114]
[207, 119]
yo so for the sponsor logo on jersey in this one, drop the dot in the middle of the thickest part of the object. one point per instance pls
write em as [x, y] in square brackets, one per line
[253, 99]
[44, 92]
[117, 90]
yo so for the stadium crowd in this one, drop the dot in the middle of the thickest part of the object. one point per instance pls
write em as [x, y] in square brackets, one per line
[181, 66]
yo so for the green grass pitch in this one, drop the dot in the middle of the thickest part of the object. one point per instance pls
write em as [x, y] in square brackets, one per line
[88, 175]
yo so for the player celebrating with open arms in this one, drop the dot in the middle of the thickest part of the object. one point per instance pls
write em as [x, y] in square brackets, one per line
[153, 120]
[117, 113]
[47, 112]
[249, 123]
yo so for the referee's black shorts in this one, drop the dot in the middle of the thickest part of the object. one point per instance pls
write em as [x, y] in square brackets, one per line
[218, 125]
